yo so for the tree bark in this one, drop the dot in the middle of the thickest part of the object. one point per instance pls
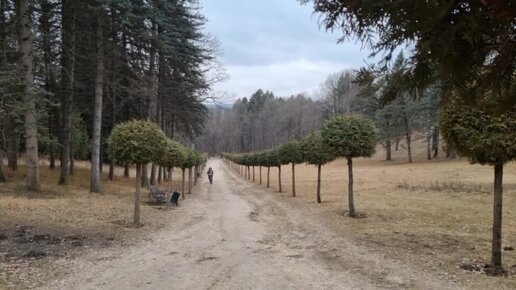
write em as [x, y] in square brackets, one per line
[268, 174]
[279, 178]
[409, 137]
[350, 188]
[12, 143]
[429, 147]
[183, 184]
[31, 133]
[2, 176]
[388, 151]
[153, 174]
[496, 256]
[260, 175]
[136, 217]
[190, 180]
[253, 173]
[319, 183]
[68, 52]
[293, 179]
[145, 176]
[160, 174]
[95, 182]
[126, 170]
[435, 142]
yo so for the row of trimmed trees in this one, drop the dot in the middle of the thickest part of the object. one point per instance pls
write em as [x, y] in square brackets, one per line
[347, 136]
[142, 142]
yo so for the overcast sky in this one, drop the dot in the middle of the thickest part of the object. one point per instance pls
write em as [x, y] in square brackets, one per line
[275, 45]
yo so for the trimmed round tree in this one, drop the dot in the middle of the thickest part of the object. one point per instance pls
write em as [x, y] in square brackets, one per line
[188, 163]
[487, 139]
[292, 153]
[317, 153]
[174, 156]
[350, 136]
[140, 142]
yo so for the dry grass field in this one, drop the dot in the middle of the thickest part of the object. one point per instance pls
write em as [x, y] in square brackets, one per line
[430, 214]
[62, 221]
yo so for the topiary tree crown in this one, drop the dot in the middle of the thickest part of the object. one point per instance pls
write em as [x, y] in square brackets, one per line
[291, 152]
[137, 141]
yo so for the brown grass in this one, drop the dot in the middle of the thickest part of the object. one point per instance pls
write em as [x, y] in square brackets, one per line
[431, 214]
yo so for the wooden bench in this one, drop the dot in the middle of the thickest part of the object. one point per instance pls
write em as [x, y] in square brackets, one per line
[157, 195]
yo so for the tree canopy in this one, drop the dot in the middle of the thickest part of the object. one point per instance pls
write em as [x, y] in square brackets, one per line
[470, 43]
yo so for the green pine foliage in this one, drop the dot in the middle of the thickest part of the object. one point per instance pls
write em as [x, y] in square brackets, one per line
[481, 137]
[350, 136]
[315, 151]
[137, 141]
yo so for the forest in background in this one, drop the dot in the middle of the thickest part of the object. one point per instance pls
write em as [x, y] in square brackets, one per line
[71, 70]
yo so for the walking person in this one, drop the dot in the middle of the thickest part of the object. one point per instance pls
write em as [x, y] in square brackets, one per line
[210, 175]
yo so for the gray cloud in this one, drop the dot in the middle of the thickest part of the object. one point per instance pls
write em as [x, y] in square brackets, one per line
[276, 45]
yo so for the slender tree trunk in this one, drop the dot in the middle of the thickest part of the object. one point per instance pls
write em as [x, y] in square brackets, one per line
[111, 174]
[388, 151]
[190, 180]
[435, 142]
[153, 174]
[2, 176]
[319, 183]
[268, 174]
[159, 174]
[145, 176]
[136, 218]
[183, 184]
[253, 173]
[279, 178]
[496, 256]
[12, 143]
[68, 52]
[397, 144]
[429, 147]
[409, 138]
[95, 184]
[31, 133]
[260, 175]
[293, 179]
[169, 179]
[350, 188]
[126, 170]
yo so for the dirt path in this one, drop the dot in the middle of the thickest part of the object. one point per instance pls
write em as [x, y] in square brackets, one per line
[236, 235]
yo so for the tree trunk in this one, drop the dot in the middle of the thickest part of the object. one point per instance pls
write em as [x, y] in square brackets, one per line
[190, 180]
[169, 179]
[435, 142]
[388, 151]
[2, 176]
[279, 178]
[253, 173]
[68, 52]
[350, 188]
[496, 256]
[260, 175]
[95, 184]
[160, 174]
[126, 170]
[293, 179]
[397, 144]
[31, 133]
[12, 143]
[145, 176]
[183, 184]
[136, 218]
[111, 174]
[409, 138]
[153, 174]
[319, 183]
[268, 174]
[429, 147]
